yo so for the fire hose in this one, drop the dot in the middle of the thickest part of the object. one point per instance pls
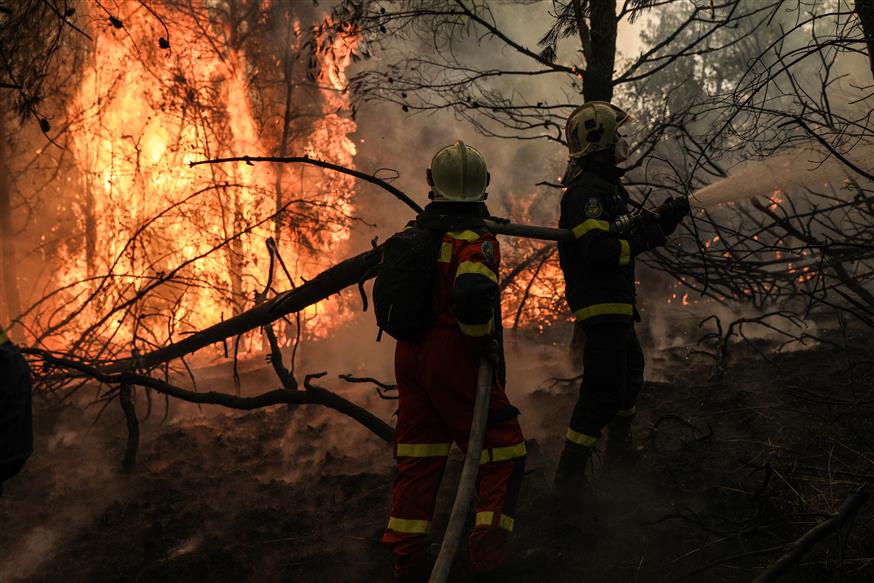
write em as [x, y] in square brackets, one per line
[467, 482]
[623, 224]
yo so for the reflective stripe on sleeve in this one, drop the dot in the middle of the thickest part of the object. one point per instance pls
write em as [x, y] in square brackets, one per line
[407, 526]
[627, 412]
[423, 449]
[474, 267]
[588, 225]
[487, 518]
[581, 438]
[466, 235]
[604, 310]
[624, 252]
[445, 253]
[477, 330]
[502, 454]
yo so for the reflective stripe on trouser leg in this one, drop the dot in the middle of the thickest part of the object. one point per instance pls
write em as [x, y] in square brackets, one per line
[581, 438]
[413, 497]
[499, 486]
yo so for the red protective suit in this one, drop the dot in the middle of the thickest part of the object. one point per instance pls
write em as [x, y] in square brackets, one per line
[436, 381]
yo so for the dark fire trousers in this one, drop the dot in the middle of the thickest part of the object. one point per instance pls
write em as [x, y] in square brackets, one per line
[612, 377]
[16, 433]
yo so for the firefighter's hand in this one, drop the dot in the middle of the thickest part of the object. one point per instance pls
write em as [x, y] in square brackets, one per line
[672, 212]
[646, 237]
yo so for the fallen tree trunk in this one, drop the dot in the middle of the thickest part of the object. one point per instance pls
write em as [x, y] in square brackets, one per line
[324, 285]
[329, 282]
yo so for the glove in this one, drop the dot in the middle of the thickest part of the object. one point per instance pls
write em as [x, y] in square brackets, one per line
[646, 237]
[671, 213]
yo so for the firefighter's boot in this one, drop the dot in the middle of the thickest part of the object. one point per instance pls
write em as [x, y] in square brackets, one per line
[620, 452]
[574, 507]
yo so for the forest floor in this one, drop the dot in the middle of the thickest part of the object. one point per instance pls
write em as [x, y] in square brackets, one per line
[730, 469]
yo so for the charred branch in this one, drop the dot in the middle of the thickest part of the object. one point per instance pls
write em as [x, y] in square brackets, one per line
[311, 395]
[800, 547]
[133, 428]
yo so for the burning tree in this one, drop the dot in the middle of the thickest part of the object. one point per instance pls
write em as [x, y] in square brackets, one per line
[140, 247]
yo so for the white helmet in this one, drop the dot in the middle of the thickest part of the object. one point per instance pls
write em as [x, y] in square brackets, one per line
[458, 173]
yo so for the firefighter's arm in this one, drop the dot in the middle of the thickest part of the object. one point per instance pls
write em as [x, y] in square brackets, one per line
[590, 223]
[475, 291]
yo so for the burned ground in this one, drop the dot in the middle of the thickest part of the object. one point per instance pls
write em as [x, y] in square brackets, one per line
[731, 468]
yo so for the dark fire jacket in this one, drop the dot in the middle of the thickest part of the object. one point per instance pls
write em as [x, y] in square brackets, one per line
[598, 265]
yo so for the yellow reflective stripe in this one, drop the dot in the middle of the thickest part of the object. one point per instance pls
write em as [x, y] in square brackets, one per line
[581, 438]
[466, 235]
[624, 252]
[3, 337]
[445, 253]
[423, 449]
[484, 518]
[407, 526]
[487, 518]
[588, 225]
[502, 454]
[477, 329]
[604, 310]
[627, 412]
[474, 267]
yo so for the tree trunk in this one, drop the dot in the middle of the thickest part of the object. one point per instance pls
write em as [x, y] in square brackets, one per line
[288, 77]
[598, 78]
[10, 299]
[865, 10]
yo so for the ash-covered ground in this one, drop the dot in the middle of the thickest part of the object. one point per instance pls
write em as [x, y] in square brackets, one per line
[732, 466]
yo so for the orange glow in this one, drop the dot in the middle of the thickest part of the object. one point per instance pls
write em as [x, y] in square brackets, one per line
[185, 246]
[541, 297]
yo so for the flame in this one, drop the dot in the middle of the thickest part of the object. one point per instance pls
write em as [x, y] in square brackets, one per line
[535, 297]
[184, 247]
[776, 199]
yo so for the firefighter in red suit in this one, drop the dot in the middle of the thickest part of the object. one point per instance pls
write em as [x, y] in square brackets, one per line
[437, 379]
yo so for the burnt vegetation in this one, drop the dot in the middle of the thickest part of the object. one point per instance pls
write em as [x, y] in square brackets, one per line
[154, 267]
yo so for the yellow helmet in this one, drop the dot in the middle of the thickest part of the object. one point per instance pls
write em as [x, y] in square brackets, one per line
[592, 127]
[458, 173]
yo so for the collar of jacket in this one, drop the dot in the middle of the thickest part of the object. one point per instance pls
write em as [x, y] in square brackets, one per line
[452, 216]
[599, 163]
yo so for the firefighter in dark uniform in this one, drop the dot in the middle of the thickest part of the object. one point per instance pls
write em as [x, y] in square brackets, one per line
[598, 268]
[16, 433]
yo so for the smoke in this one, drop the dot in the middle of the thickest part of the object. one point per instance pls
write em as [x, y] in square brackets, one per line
[25, 558]
[68, 481]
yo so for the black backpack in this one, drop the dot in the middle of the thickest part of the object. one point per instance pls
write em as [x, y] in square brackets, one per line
[404, 286]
